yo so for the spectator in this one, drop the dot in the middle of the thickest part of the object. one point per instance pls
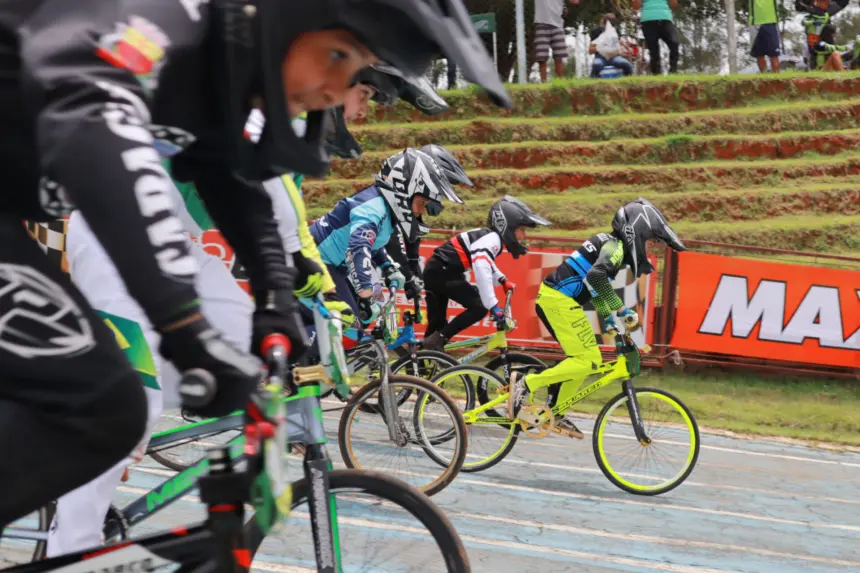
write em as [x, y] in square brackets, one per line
[657, 24]
[452, 75]
[600, 61]
[763, 15]
[828, 56]
[819, 13]
[549, 32]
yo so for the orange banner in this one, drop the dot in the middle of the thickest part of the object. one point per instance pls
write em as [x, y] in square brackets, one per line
[768, 310]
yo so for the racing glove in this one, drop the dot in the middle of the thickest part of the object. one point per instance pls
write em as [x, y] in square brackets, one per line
[508, 285]
[278, 313]
[393, 277]
[498, 315]
[193, 343]
[333, 302]
[414, 287]
[609, 326]
[368, 309]
[629, 317]
[309, 279]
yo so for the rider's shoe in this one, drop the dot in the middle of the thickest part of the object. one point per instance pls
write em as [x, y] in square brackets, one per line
[434, 342]
[518, 394]
[567, 427]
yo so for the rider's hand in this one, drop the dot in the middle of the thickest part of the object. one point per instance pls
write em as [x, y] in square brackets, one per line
[309, 280]
[333, 302]
[609, 326]
[629, 318]
[414, 287]
[393, 277]
[368, 309]
[277, 313]
[498, 315]
[508, 285]
[195, 344]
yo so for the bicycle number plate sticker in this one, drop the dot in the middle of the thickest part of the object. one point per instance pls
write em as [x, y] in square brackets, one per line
[122, 559]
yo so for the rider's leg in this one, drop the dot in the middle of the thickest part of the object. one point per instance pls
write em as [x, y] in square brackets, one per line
[461, 291]
[71, 406]
[570, 326]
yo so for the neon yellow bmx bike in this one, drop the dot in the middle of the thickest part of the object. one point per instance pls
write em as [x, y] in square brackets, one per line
[647, 428]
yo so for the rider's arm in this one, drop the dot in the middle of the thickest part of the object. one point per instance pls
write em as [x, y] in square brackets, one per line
[292, 222]
[397, 252]
[608, 263]
[243, 214]
[483, 253]
[91, 118]
[364, 222]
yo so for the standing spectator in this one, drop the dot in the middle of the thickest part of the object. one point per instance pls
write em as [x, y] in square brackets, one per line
[600, 61]
[452, 75]
[549, 32]
[657, 24]
[763, 15]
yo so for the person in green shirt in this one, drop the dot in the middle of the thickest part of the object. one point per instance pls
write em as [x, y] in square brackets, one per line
[763, 15]
[657, 24]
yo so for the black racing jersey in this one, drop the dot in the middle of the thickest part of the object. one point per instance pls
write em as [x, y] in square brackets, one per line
[476, 249]
[586, 274]
[93, 95]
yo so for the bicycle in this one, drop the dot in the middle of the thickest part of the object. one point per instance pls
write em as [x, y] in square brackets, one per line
[329, 494]
[429, 362]
[537, 420]
[431, 423]
[401, 430]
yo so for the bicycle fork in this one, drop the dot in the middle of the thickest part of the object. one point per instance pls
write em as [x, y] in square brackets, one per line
[635, 414]
[323, 510]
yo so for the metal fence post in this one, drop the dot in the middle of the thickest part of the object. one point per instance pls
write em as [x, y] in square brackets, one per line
[522, 75]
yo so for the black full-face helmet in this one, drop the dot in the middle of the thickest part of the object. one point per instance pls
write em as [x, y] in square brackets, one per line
[509, 214]
[448, 164]
[252, 37]
[637, 222]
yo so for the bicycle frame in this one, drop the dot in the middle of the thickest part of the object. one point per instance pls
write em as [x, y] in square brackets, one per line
[625, 367]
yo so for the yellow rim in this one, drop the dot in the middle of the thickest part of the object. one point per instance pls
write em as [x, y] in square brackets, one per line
[690, 453]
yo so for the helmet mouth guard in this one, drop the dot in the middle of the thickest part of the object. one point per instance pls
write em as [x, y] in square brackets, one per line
[434, 208]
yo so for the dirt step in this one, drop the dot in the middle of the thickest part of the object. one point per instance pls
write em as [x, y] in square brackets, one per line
[673, 149]
[805, 116]
[674, 177]
[638, 94]
[575, 212]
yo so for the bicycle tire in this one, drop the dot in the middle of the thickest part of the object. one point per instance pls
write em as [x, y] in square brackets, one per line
[612, 476]
[163, 456]
[393, 491]
[167, 462]
[405, 361]
[460, 433]
[502, 453]
[46, 516]
[515, 358]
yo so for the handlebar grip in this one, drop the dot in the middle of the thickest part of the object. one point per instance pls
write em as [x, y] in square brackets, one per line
[197, 387]
[273, 340]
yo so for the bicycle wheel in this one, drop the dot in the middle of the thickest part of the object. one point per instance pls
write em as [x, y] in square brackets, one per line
[433, 436]
[186, 451]
[26, 539]
[428, 363]
[497, 364]
[664, 463]
[493, 434]
[382, 525]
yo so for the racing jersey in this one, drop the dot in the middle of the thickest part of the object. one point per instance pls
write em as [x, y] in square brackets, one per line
[92, 96]
[354, 234]
[586, 274]
[477, 250]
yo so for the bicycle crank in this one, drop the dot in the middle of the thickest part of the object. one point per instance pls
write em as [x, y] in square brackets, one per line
[536, 421]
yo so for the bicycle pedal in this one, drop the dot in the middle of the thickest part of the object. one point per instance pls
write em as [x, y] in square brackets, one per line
[568, 433]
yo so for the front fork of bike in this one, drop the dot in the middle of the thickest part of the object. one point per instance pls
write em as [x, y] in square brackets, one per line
[390, 409]
[635, 413]
[323, 510]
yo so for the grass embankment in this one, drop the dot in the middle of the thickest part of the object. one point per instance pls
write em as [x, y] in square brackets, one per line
[767, 118]
[817, 410]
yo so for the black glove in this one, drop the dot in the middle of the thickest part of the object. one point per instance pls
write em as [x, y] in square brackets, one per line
[196, 344]
[278, 313]
[414, 287]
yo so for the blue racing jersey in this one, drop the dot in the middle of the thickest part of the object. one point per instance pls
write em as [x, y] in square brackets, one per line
[354, 234]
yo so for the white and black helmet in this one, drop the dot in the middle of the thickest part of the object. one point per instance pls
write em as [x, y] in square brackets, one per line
[407, 174]
[390, 84]
[634, 224]
[506, 216]
[448, 164]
